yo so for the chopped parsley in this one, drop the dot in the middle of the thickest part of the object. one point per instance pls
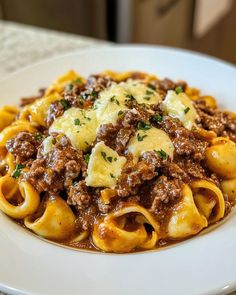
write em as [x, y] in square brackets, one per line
[179, 89]
[157, 118]
[130, 96]
[94, 107]
[147, 97]
[151, 86]
[115, 159]
[186, 110]
[94, 94]
[17, 172]
[148, 92]
[86, 142]
[69, 87]
[77, 122]
[78, 81]
[112, 175]
[65, 104]
[104, 155]
[120, 113]
[113, 99]
[86, 158]
[143, 126]
[109, 159]
[162, 154]
[38, 136]
[140, 138]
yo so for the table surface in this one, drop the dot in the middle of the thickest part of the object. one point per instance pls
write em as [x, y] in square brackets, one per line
[22, 45]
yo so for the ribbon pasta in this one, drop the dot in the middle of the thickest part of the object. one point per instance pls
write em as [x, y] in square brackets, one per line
[221, 157]
[7, 115]
[111, 235]
[12, 130]
[53, 220]
[11, 190]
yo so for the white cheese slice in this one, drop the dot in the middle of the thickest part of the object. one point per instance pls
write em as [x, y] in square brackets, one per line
[150, 140]
[110, 102]
[141, 92]
[78, 125]
[180, 106]
[104, 166]
[114, 99]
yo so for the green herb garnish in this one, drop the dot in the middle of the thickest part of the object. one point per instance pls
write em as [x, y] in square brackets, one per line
[38, 136]
[78, 81]
[104, 155]
[86, 158]
[69, 87]
[130, 96]
[109, 159]
[162, 154]
[112, 175]
[143, 126]
[120, 113]
[65, 104]
[94, 94]
[147, 97]
[186, 110]
[151, 86]
[148, 92]
[77, 122]
[179, 89]
[112, 98]
[17, 172]
[140, 138]
[157, 118]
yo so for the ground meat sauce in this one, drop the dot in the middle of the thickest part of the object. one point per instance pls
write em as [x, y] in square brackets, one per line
[154, 182]
[222, 123]
[55, 171]
[24, 146]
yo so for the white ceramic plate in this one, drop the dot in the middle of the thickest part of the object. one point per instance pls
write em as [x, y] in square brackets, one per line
[205, 264]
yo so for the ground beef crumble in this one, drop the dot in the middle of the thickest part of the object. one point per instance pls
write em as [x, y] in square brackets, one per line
[24, 146]
[56, 170]
[222, 123]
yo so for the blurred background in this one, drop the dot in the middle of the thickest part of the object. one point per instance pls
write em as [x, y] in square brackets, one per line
[207, 26]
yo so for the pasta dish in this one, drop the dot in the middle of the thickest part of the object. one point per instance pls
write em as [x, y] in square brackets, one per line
[117, 162]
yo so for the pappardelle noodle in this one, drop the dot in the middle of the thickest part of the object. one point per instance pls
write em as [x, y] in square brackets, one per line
[118, 162]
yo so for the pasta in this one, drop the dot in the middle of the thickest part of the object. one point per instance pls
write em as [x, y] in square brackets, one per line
[118, 162]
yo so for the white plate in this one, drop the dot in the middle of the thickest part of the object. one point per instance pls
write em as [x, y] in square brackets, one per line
[205, 264]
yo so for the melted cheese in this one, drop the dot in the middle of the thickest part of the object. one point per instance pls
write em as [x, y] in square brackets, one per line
[141, 92]
[180, 106]
[38, 110]
[78, 125]
[104, 166]
[149, 140]
[115, 98]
